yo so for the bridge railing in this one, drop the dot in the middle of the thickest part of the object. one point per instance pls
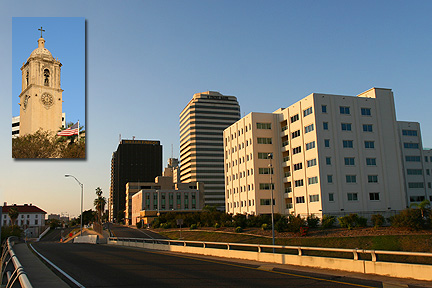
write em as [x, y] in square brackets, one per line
[371, 255]
[11, 268]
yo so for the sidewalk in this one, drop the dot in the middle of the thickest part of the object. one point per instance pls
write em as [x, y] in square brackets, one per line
[37, 272]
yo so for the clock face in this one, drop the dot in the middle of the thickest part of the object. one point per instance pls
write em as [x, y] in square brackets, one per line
[47, 99]
[25, 101]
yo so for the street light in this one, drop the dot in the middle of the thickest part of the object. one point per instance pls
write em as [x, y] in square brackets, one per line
[270, 156]
[82, 185]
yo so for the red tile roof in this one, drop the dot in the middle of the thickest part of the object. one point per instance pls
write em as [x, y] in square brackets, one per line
[26, 208]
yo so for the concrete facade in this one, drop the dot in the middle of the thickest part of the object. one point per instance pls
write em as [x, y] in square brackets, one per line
[30, 218]
[332, 154]
[202, 123]
[16, 125]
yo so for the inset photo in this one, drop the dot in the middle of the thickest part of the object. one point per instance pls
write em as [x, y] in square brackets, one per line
[48, 87]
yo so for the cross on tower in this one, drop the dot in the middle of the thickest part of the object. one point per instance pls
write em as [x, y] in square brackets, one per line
[41, 31]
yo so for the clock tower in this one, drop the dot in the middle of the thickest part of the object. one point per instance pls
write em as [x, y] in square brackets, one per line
[41, 96]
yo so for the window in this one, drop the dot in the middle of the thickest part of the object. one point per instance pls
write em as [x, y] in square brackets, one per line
[415, 172]
[309, 128]
[417, 198]
[263, 125]
[427, 172]
[346, 126]
[411, 145]
[412, 158]
[371, 161]
[409, 132]
[365, 111]
[312, 180]
[325, 125]
[264, 140]
[372, 178]
[349, 161]
[265, 170]
[295, 134]
[324, 108]
[351, 178]
[263, 155]
[311, 163]
[331, 197]
[266, 186]
[314, 198]
[367, 127]
[415, 185]
[329, 179]
[266, 202]
[347, 143]
[307, 112]
[429, 185]
[298, 166]
[369, 144]
[374, 196]
[352, 197]
[328, 160]
[327, 143]
[296, 150]
[426, 159]
[300, 199]
[310, 145]
[298, 183]
[344, 110]
[294, 118]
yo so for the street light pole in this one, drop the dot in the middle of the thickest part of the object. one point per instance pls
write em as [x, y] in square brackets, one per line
[82, 189]
[270, 155]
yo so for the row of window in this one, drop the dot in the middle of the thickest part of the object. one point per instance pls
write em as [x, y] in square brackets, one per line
[242, 175]
[346, 110]
[348, 127]
[235, 190]
[243, 203]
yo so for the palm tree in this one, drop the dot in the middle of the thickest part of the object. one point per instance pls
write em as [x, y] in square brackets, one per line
[13, 215]
[99, 204]
[423, 206]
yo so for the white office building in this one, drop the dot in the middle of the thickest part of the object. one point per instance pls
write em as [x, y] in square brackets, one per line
[331, 154]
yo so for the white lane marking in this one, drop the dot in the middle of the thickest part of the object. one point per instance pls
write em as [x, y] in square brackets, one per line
[58, 269]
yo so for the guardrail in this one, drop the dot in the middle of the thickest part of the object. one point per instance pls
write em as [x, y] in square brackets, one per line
[10, 273]
[353, 260]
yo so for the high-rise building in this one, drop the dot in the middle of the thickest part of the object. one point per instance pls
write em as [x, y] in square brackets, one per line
[134, 161]
[202, 123]
[326, 154]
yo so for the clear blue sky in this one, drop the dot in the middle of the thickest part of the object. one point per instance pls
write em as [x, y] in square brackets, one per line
[146, 59]
[65, 39]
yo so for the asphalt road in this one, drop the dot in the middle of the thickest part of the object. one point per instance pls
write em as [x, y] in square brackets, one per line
[55, 234]
[123, 231]
[112, 266]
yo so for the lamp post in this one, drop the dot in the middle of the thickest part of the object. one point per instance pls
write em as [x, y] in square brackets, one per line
[82, 185]
[270, 156]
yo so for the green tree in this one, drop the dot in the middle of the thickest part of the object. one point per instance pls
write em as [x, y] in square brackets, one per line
[13, 215]
[99, 204]
[423, 206]
[41, 144]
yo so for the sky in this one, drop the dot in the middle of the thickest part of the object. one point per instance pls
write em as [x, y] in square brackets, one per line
[146, 59]
[65, 39]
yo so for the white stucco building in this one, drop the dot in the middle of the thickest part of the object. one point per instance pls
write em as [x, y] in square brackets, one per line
[30, 218]
[332, 154]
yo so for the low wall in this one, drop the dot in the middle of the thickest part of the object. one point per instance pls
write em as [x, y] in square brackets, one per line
[92, 239]
[400, 270]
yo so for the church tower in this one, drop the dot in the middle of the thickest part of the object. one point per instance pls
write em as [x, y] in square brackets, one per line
[41, 96]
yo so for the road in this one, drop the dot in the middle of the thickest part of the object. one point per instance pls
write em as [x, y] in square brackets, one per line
[55, 234]
[123, 231]
[112, 266]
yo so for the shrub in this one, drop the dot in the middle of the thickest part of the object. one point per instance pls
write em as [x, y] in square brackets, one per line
[378, 220]
[239, 229]
[348, 221]
[295, 223]
[281, 225]
[328, 221]
[138, 224]
[265, 226]
[193, 226]
[312, 221]
[240, 220]
[217, 225]
[409, 218]
[361, 221]
[165, 225]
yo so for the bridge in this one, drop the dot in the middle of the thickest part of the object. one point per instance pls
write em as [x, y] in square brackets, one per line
[89, 265]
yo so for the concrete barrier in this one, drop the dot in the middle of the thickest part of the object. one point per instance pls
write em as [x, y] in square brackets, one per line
[92, 239]
[392, 269]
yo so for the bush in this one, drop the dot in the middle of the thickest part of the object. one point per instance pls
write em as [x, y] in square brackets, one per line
[239, 229]
[265, 226]
[409, 218]
[378, 220]
[361, 222]
[312, 221]
[193, 226]
[138, 225]
[295, 223]
[281, 225]
[165, 225]
[348, 221]
[217, 225]
[328, 221]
